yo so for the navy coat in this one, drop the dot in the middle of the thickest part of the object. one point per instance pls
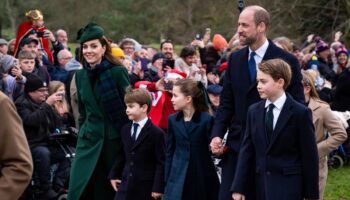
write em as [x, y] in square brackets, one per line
[237, 95]
[286, 167]
[141, 166]
[189, 170]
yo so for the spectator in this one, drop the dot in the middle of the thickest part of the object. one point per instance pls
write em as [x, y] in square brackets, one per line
[155, 72]
[59, 73]
[128, 46]
[11, 47]
[27, 64]
[62, 37]
[39, 121]
[10, 85]
[3, 46]
[214, 92]
[167, 48]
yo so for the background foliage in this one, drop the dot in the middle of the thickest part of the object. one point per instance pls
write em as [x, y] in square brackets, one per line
[148, 21]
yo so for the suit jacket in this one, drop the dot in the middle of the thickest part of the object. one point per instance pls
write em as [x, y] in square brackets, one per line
[141, 166]
[286, 167]
[16, 164]
[239, 93]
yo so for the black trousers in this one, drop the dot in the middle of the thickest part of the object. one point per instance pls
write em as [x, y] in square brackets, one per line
[44, 157]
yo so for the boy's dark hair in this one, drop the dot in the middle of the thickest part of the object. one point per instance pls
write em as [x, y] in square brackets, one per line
[277, 69]
[139, 96]
[25, 55]
[187, 51]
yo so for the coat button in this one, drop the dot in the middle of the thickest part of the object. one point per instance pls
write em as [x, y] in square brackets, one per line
[131, 164]
[268, 173]
[133, 153]
[130, 174]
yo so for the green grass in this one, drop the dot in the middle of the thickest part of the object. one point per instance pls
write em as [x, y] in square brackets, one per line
[338, 184]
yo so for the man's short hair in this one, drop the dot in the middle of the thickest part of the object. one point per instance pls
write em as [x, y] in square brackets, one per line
[260, 15]
[25, 55]
[165, 41]
[139, 96]
[187, 51]
[277, 69]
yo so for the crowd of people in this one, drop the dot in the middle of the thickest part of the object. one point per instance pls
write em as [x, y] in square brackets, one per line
[270, 110]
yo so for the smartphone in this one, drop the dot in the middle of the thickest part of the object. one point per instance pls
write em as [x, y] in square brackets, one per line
[40, 34]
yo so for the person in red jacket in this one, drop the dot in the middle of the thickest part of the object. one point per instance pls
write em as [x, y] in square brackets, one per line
[33, 26]
[162, 106]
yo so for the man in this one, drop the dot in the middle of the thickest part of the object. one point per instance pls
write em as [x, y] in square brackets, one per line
[16, 161]
[128, 46]
[239, 90]
[3, 46]
[39, 120]
[62, 37]
[167, 48]
[59, 73]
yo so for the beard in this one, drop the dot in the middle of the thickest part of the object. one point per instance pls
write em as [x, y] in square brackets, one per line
[247, 41]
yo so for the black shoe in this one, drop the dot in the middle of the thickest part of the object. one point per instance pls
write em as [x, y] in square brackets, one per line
[49, 194]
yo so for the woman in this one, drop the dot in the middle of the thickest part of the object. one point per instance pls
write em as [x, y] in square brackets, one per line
[100, 89]
[324, 120]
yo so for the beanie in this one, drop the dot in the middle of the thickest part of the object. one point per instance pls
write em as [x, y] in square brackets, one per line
[6, 62]
[340, 50]
[321, 45]
[118, 52]
[219, 42]
[33, 83]
[157, 56]
[175, 74]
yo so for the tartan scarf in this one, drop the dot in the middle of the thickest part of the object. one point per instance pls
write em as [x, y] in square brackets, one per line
[111, 101]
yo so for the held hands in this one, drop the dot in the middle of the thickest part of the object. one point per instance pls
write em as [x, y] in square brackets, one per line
[238, 196]
[216, 146]
[156, 195]
[115, 184]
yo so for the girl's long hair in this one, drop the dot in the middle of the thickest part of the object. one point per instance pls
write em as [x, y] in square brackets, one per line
[53, 87]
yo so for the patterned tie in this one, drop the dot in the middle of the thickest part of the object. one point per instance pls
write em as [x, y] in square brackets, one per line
[269, 120]
[133, 136]
[252, 66]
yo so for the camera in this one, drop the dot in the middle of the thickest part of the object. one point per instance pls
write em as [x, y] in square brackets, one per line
[168, 86]
[40, 34]
[198, 36]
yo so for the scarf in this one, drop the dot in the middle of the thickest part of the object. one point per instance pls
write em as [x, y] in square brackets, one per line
[113, 105]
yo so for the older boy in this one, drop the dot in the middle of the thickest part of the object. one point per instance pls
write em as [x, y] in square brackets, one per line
[139, 172]
[280, 140]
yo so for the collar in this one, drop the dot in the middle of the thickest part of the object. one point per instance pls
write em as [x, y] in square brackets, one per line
[142, 122]
[195, 117]
[278, 103]
[261, 50]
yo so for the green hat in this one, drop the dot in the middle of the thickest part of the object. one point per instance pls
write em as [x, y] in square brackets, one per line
[90, 32]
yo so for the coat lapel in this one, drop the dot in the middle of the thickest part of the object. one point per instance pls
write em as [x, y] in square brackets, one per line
[181, 125]
[282, 120]
[260, 120]
[143, 134]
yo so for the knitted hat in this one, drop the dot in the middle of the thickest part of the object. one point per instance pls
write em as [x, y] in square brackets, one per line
[175, 74]
[6, 62]
[157, 56]
[118, 52]
[3, 41]
[33, 83]
[219, 42]
[90, 32]
[214, 89]
[321, 45]
[340, 50]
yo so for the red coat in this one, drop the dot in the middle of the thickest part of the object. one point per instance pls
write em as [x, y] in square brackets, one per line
[23, 30]
[162, 107]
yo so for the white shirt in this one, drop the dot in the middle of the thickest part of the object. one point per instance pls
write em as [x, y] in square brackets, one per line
[278, 107]
[139, 127]
[259, 53]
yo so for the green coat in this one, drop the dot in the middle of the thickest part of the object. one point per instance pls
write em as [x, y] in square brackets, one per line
[98, 142]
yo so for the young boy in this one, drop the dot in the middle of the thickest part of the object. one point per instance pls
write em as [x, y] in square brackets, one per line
[139, 172]
[26, 62]
[280, 140]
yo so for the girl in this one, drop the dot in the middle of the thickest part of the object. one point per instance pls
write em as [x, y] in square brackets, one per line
[100, 89]
[61, 106]
[323, 120]
[190, 172]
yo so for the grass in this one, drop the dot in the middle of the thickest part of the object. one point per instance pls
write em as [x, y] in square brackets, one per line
[338, 184]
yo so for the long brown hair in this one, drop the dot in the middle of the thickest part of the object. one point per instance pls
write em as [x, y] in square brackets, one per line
[309, 81]
[53, 87]
[192, 88]
[108, 53]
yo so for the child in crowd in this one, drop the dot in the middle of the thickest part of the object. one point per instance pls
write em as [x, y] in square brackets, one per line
[138, 174]
[61, 106]
[26, 62]
[324, 120]
[11, 79]
[279, 144]
[189, 170]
